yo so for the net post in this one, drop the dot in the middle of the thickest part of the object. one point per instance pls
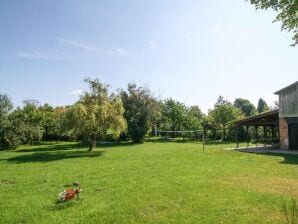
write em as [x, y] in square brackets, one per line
[203, 138]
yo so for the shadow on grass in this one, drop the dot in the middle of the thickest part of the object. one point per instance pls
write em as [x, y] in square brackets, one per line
[114, 144]
[71, 146]
[288, 158]
[50, 156]
[56, 206]
[53, 147]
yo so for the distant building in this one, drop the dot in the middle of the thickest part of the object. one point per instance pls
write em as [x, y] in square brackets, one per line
[283, 122]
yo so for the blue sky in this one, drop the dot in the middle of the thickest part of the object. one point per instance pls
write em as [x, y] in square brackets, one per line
[191, 50]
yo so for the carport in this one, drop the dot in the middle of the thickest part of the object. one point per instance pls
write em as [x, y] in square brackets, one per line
[269, 121]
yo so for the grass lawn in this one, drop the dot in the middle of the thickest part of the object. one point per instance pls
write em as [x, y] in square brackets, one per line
[153, 182]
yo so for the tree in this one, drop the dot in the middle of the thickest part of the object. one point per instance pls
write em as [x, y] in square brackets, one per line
[32, 118]
[174, 115]
[48, 122]
[194, 118]
[14, 130]
[154, 115]
[140, 109]
[97, 113]
[245, 106]
[286, 14]
[5, 105]
[59, 128]
[23, 125]
[223, 114]
[262, 106]
[5, 108]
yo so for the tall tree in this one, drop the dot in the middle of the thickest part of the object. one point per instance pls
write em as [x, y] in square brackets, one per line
[14, 130]
[262, 106]
[5, 108]
[98, 113]
[194, 118]
[48, 122]
[223, 114]
[287, 14]
[139, 107]
[32, 118]
[5, 105]
[154, 114]
[245, 106]
[174, 115]
[59, 127]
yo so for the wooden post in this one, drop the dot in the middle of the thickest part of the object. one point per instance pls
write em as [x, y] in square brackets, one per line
[237, 137]
[247, 137]
[257, 143]
[203, 138]
[272, 132]
[265, 135]
[278, 133]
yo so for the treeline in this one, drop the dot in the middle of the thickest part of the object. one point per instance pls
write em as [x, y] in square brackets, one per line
[130, 114]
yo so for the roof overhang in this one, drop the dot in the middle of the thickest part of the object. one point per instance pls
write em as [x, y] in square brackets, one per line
[269, 118]
[293, 85]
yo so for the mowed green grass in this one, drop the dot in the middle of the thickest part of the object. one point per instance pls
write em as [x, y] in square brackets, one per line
[147, 183]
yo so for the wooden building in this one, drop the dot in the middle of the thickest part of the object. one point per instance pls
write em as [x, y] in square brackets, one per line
[288, 116]
[283, 121]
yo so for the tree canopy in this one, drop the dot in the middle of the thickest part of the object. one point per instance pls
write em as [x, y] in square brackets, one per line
[223, 114]
[245, 106]
[5, 105]
[287, 14]
[97, 113]
[262, 106]
[131, 114]
[140, 109]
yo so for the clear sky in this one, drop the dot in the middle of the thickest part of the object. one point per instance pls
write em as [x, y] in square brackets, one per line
[191, 50]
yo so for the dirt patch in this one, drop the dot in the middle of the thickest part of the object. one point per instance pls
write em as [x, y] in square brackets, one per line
[7, 181]
[98, 189]
[281, 186]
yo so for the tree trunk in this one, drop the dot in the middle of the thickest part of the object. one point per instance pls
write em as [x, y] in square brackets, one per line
[92, 143]
[90, 146]
[224, 133]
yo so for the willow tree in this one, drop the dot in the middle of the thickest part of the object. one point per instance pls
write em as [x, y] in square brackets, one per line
[98, 113]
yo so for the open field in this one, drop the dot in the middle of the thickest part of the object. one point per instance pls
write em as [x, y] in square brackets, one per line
[153, 182]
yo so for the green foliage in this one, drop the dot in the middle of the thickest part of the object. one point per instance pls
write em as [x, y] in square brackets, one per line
[174, 115]
[140, 109]
[194, 118]
[21, 126]
[262, 106]
[133, 114]
[49, 122]
[32, 118]
[245, 106]
[13, 131]
[5, 108]
[5, 105]
[154, 115]
[223, 115]
[287, 14]
[96, 114]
